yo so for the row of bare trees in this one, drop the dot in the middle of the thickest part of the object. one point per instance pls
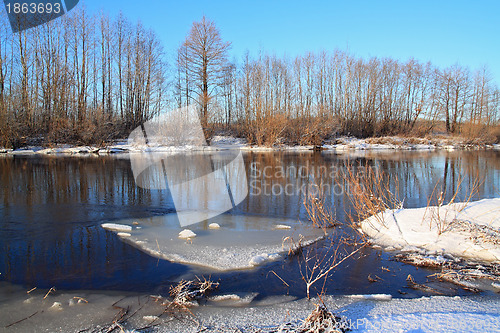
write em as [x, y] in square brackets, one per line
[306, 98]
[88, 78]
[79, 78]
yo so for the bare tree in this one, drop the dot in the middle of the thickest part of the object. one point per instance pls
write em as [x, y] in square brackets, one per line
[204, 55]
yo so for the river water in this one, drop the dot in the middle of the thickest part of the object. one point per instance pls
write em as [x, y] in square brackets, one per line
[51, 209]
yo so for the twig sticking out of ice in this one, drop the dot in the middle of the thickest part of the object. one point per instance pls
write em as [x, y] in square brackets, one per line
[186, 233]
[116, 227]
[214, 226]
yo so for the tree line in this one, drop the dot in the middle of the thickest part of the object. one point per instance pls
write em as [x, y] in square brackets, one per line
[80, 78]
[89, 78]
[311, 97]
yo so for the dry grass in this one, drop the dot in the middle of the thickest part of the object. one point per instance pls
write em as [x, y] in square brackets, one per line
[369, 192]
[294, 247]
[320, 214]
[418, 286]
[445, 218]
[322, 320]
[186, 292]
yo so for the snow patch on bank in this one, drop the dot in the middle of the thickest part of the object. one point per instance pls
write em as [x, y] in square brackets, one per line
[469, 231]
[218, 142]
[425, 314]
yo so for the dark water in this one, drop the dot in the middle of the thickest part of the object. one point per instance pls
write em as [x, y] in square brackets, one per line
[51, 209]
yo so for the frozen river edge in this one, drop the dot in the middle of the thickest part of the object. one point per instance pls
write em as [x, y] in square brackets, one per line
[91, 311]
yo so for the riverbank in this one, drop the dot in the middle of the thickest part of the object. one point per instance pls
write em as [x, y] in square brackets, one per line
[463, 239]
[76, 311]
[340, 144]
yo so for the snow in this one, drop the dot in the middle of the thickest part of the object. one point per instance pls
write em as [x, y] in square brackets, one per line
[465, 230]
[375, 297]
[263, 257]
[220, 142]
[186, 233]
[281, 226]
[214, 226]
[116, 227]
[227, 140]
[426, 314]
[240, 299]
[232, 297]
[56, 306]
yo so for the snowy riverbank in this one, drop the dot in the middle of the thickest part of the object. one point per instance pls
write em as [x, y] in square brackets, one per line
[465, 230]
[462, 239]
[341, 144]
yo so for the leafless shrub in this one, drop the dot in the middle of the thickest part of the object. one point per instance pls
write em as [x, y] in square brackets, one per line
[317, 264]
[267, 131]
[369, 192]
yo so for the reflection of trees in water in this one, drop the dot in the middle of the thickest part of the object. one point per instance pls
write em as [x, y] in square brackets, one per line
[35, 181]
[84, 258]
[51, 207]
[417, 173]
[51, 210]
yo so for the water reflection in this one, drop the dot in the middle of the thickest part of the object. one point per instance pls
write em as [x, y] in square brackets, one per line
[51, 209]
[279, 181]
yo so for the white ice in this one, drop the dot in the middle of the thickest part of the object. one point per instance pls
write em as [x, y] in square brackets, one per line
[241, 242]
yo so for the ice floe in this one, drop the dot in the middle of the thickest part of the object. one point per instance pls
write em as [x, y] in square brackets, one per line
[243, 241]
[186, 233]
[116, 227]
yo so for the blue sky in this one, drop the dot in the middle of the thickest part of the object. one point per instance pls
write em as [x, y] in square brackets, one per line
[444, 32]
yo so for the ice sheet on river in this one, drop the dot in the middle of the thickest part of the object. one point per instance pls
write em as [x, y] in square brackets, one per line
[241, 242]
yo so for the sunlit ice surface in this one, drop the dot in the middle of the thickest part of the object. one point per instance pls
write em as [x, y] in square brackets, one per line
[239, 242]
